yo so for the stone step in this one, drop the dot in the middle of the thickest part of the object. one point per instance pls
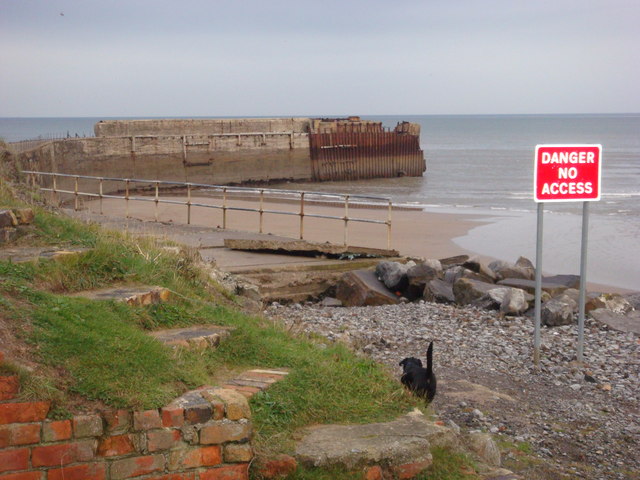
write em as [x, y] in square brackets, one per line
[200, 336]
[254, 381]
[31, 254]
[133, 295]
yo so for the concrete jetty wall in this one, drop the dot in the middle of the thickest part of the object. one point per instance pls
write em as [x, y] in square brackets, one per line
[234, 151]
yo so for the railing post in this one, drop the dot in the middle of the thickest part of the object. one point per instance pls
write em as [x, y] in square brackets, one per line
[301, 215]
[75, 194]
[346, 217]
[156, 201]
[188, 204]
[224, 208]
[55, 188]
[389, 228]
[261, 209]
[126, 198]
[101, 193]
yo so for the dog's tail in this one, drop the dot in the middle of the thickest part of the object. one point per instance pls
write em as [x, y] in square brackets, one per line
[430, 359]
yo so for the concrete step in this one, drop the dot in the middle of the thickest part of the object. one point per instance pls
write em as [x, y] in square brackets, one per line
[133, 295]
[200, 336]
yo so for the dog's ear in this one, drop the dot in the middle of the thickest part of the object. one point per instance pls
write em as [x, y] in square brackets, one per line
[403, 362]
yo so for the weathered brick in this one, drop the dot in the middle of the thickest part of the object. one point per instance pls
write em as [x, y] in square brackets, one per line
[87, 426]
[23, 412]
[162, 439]
[215, 433]
[14, 459]
[198, 413]
[9, 387]
[228, 472]
[238, 452]
[115, 445]
[90, 471]
[195, 457]
[236, 405]
[23, 476]
[136, 466]
[411, 470]
[281, 466]
[118, 421]
[56, 431]
[62, 454]
[172, 417]
[19, 434]
[146, 420]
[373, 473]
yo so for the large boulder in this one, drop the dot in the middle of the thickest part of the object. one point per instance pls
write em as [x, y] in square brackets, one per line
[559, 310]
[610, 301]
[453, 261]
[515, 302]
[467, 291]
[629, 322]
[529, 286]
[8, 219]
[362, 287]
[439, 291]
[480, 268]
[419, 275]
[521, 269]
[394, 275]
[452, 274]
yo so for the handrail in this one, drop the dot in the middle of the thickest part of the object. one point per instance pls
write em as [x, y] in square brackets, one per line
[348, 200]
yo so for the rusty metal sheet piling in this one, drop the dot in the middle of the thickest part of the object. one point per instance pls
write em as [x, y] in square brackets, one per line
[350, 149]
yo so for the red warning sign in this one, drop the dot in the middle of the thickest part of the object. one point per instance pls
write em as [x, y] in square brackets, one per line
[567, 173]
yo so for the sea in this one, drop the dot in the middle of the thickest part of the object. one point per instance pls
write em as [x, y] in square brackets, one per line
[483, 166]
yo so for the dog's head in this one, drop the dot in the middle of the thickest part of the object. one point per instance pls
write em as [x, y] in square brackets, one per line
[410, 362]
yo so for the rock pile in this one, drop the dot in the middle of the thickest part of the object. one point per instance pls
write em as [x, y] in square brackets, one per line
[499, 285]
[14, 223]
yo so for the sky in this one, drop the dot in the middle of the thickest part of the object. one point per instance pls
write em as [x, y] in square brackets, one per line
[63, 58]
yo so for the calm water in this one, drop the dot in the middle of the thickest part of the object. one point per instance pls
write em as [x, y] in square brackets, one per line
[484, 164]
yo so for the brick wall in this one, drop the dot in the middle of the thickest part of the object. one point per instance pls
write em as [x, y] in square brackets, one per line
[203, 435]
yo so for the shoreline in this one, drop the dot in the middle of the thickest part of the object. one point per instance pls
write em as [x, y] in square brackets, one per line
[414, 233]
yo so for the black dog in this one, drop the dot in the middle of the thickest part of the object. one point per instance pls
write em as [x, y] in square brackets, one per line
[421, 381]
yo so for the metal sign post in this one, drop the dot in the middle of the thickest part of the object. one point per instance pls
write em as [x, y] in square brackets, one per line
[565, 173]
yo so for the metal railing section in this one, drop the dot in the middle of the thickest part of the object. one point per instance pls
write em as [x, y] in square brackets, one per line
[226, 192]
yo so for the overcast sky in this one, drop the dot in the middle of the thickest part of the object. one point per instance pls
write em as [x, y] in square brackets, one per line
[322, 57]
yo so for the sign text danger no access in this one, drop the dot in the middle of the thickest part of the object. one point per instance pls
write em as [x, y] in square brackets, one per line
[567, 173]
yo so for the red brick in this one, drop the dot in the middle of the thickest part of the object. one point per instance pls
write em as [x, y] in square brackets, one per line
[116, 445]
[118, 421]
[411, 470]
[23, 412]
[195, 457]
[87, 426]
[136, 466]
[15, 459]
[172, 417]
[19, 434]
[56, 431]
[244, 390]
[22, 476]
[91, 471]
[373, 473]
[62, 454]
[146, 420]
[232, 472]
[9, 387]
[223, 432]
[162, 439]
[281, 466]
